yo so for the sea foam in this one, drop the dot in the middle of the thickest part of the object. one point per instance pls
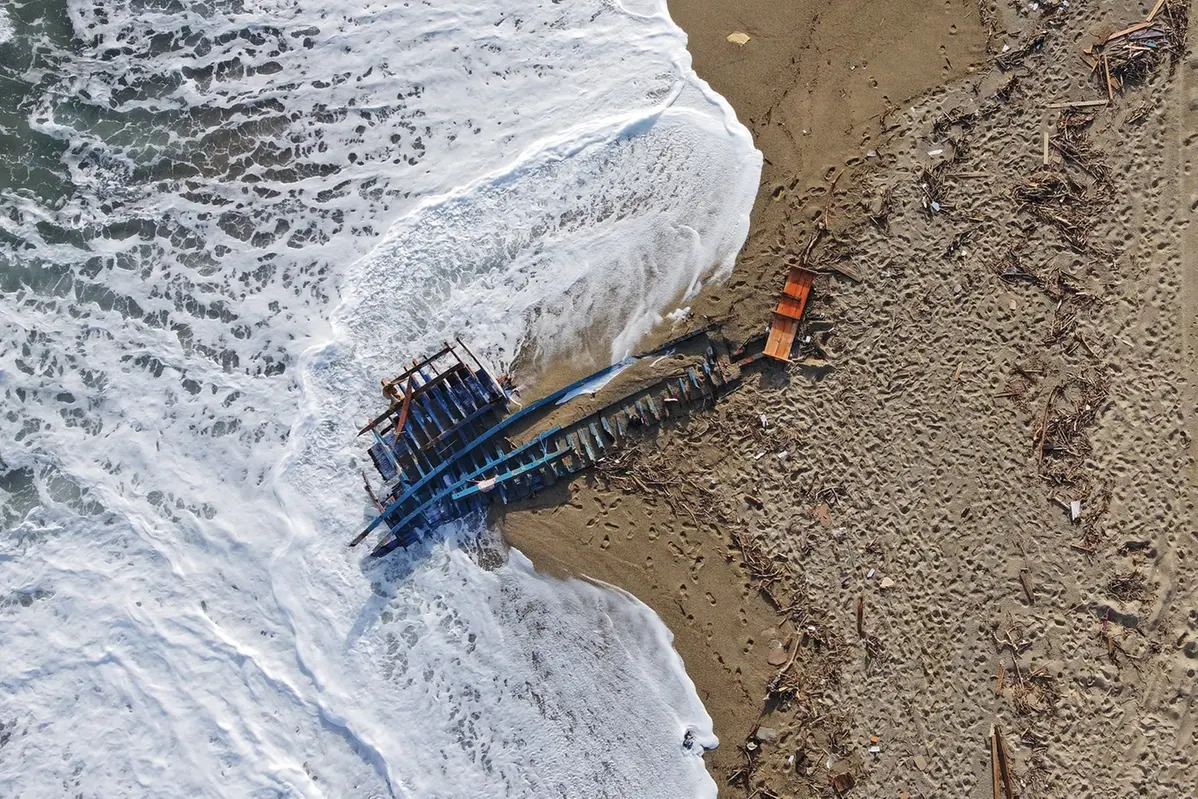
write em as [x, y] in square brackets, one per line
[245, 213]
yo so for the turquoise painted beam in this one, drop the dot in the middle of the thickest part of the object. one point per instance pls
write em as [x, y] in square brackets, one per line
[506, 476]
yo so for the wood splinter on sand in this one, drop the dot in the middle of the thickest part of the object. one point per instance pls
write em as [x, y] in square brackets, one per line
[1027, 590]
[1004, 785]
[1079, 103]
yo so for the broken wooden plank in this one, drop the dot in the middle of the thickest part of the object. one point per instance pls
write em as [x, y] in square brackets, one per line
[782, 337]
[798, 282]
[641, 413]
[995, 769]
[1078, 104]
[594, 428]
[404, 409]
[586, 443]
[653, 407]
[417, 366]
[1139, 26]
[788, 313]
[1004, 762]
[791, 307]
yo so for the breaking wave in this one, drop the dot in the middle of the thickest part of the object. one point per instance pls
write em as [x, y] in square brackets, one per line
[221, 223]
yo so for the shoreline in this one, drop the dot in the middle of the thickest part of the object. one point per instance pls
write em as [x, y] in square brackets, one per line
[724, 640]
[864, 585]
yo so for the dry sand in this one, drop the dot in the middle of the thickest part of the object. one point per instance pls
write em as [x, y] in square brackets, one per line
[889, 564]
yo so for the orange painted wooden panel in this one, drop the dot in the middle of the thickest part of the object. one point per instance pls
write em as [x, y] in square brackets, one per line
[791, 307]
[798, 282]
[782, 337]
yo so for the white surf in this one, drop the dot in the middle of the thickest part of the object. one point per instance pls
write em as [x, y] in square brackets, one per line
[260, 209]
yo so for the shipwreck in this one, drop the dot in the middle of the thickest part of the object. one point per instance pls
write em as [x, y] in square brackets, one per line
[449, 443]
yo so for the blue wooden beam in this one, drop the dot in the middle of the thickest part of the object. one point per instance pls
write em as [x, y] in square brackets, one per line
[443, 493]
[506, 476]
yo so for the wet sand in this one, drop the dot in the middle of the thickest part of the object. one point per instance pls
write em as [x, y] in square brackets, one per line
[862, 586]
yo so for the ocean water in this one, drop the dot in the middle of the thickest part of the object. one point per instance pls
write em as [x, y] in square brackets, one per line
[221, 222]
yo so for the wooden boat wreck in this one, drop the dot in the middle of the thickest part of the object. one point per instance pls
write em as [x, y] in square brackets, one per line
[443, 449]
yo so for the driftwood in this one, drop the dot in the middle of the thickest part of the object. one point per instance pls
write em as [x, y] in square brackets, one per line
[1072, 141]
[1004, 785]
[1062, 438]
[1057, 199]
[1026, 588]
[1014, 57]
[1130, 56]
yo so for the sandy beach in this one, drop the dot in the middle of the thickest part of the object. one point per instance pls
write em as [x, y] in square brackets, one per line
[961, 522]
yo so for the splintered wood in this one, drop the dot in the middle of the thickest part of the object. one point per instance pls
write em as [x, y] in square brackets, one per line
[1062, 202]
[634, 470]
[1131, 55]
[1062, 440]
[1004, 785]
